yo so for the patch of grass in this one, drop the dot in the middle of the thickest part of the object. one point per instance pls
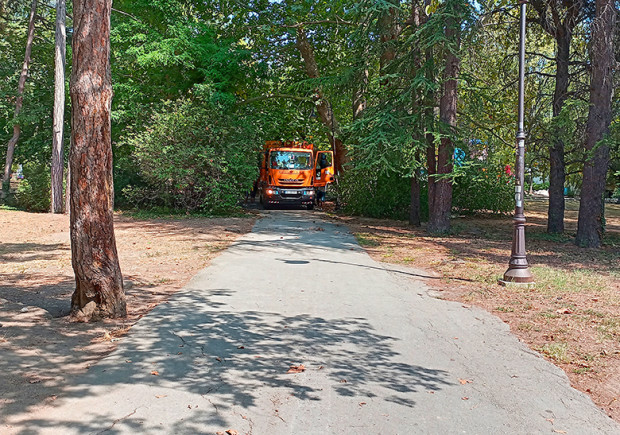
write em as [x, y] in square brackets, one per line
[582, 370]
[525, 326]
[594, 313]
[549, 315]
[365, 239]
[505, 309]
[556, 351]
[588, 357]
[609, 329]
[483, 276]
[611, 239]
[166, 213]
[553, 281]
[8, 208]
[546, 237]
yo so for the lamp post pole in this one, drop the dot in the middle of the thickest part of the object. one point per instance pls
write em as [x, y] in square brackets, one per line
[518, 271]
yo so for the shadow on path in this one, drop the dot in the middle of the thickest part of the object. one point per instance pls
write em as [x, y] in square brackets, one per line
[195, 345]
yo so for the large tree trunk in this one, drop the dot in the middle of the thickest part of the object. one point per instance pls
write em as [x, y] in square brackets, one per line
[324, 107]
[99, 284]
[439, 219]
[390, 30]
[557, 172]
[10, 151]
[59, 109]
[591, 206]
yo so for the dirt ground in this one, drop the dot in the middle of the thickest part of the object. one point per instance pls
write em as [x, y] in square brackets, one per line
[572, 315]
[40, 349]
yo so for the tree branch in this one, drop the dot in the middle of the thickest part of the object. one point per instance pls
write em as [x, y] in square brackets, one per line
[310, 23]
[126, 14]
[270, 96]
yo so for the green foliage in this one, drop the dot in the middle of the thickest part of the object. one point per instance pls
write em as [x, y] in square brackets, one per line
[380, 195]
[193, 158]
[481, 187]
[34, 191]
[35, 117]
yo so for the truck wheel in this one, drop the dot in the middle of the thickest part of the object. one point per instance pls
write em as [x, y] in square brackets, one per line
[310, 206]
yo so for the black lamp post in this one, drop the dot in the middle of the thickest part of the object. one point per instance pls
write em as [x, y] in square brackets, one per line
[518, 271]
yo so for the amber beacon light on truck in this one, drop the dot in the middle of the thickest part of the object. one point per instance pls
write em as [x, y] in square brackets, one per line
[291, 172]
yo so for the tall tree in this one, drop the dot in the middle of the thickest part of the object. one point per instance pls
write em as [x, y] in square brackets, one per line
[59, 108]
[19, 101]
[417, 19]
[590, 225]
[558, 18]
[323, 107]
[439, 217]
[99, 284]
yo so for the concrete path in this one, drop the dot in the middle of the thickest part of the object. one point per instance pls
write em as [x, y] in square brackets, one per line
[381, 355]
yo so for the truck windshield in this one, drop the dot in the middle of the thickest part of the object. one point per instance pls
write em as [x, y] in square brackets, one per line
[290, 160]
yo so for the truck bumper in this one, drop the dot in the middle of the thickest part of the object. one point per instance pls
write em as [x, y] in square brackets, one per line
[278, 196]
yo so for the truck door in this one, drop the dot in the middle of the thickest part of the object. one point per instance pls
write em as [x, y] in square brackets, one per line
[324, 168]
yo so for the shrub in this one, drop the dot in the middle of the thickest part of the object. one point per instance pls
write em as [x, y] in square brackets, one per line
[195, 158]
[34, 191]
[481, 187]
[541, 186]
[367, 193]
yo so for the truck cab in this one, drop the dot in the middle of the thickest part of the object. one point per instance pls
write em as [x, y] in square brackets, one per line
[290, 171]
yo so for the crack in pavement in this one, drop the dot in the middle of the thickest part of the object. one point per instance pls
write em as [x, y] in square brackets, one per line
[117, 421]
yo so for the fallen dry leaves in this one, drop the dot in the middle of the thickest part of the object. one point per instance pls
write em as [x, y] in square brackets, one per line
[296, 369]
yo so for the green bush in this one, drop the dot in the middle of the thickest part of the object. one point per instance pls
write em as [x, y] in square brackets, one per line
[33, 192]
[194, 158]
[541, 186]
[480, 187]
[364, 192]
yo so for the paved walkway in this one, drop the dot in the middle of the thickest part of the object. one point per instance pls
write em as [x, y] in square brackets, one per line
[381, 355]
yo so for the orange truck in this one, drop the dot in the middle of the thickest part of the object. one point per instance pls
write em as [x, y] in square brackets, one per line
[291, 173]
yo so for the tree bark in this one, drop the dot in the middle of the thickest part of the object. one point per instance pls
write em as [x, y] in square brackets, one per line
[68, 188]
[99, 284]
[324, 107]
[439, 218]
[590, 224]
[359, 94]
[59, 109]
[557, 171]
[10, 149]
[390, 30]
